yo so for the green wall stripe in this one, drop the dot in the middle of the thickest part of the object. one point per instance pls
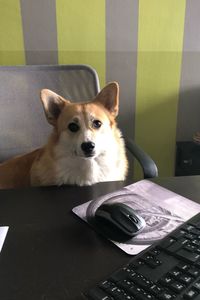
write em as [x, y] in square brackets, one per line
[81, 33]
[11, 36]
[160, 41]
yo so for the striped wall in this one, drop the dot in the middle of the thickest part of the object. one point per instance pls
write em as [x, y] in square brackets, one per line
[160, 39]
[151, 47]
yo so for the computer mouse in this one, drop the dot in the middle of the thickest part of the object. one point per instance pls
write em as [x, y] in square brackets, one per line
[118, 221]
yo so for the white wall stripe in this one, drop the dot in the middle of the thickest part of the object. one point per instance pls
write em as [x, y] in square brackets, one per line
[121, 57]
[188, 120]
[40, 31]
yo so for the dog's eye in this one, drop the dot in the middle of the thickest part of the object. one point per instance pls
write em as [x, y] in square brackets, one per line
[73, 127]
[96, 124]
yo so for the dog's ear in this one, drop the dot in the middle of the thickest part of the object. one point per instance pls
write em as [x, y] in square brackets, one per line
[109, 98]
[52, 104]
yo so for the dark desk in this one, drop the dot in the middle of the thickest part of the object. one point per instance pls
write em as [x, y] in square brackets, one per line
[49, 253]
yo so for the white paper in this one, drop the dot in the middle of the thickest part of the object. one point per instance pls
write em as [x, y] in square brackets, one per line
[3, 233]
[162, 210]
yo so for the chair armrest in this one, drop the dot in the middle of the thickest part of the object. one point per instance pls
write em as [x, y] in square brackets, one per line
[148, 165]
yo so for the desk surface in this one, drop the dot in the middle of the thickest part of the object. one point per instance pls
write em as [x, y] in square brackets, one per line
[49, 253]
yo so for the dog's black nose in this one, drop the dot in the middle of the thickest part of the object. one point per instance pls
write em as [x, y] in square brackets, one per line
[87, 147]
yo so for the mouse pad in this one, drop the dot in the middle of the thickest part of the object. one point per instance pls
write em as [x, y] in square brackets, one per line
[162, 210]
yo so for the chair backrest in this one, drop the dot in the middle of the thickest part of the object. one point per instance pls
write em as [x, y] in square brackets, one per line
[23, 126]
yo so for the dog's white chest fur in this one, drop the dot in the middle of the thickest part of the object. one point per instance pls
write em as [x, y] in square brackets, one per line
[66, 167]
[86, 171]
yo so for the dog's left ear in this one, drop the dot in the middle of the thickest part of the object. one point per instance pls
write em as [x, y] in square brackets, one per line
[109, 98]
[52, 104]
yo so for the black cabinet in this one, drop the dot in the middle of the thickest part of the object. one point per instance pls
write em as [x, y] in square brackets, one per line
[187, 159]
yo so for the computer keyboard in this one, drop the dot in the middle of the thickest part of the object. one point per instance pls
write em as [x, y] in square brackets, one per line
[169, 269]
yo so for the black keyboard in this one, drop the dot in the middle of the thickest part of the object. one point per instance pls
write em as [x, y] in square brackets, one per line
[169, 269]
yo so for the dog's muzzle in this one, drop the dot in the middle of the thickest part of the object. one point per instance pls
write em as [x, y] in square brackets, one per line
[88, 148]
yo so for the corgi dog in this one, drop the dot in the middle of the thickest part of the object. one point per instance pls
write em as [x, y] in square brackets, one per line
[85, 146]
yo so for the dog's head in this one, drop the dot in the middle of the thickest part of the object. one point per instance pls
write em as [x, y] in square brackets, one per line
[83, 129]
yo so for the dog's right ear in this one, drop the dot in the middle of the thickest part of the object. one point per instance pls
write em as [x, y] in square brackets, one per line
[109, 98]
[52, 104]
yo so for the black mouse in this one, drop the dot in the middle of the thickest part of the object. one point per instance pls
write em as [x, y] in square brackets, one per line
[118, 221]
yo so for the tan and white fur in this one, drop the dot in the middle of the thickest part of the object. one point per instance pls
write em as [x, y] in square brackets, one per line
[84, 148]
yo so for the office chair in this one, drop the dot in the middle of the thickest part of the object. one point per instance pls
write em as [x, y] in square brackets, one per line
[22, 121]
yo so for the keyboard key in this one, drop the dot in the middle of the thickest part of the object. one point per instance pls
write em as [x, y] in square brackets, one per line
[190, 294]
[166, 295]
[119, 293]
[143, 295]
[166, 280]
[190, 247]
[177, 287]
[190, 236]
[137, 263]
[154, 251]
[193, 272]
[153, 263]
[106, 284]
[147, 257]
[142, 281]
[98, 294]
[175, 272]
[119, 275]
[126, 284]
[166, 243]
[177, 245]
[178, 234]
[191, 257]
[186, 279]
[195, 222]
[188, 227]
[196, 242]
[156, 289]
[183, 266]
[197, 285]
[197, 264]
[195, 231]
